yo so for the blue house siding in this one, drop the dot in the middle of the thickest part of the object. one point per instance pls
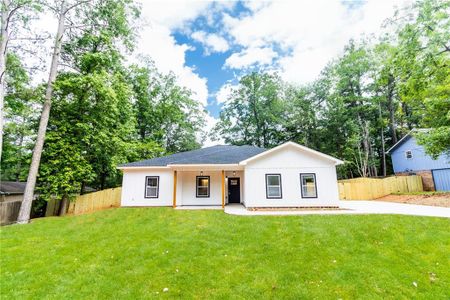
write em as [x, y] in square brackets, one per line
[442, 179]
[419, 161]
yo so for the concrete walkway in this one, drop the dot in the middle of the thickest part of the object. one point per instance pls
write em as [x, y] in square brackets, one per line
[352, 207]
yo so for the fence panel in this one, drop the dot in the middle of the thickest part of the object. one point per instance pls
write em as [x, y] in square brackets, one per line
[9, 212]
[373, 188]
[95, 201]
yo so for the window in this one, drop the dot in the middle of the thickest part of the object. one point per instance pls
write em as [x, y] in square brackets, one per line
[308, 185]
[202, 187]
[151, 186]
[273, 186]
[408, 154]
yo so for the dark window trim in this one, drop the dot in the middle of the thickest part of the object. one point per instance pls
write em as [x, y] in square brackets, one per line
[406, 154]
[157, 187]
[196, 186]
[315, 185]
[267, 187]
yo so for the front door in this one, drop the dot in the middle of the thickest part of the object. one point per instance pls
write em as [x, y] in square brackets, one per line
[234, 190]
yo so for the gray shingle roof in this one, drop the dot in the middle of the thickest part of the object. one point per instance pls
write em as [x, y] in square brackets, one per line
[12, 187]
[220, 154]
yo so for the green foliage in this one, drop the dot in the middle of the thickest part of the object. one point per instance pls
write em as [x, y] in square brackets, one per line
[253, 113]
[165, 112]
[20, 120]
[423, 63]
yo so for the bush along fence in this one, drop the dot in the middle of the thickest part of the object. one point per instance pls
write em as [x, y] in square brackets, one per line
[95, 201]
[373, 188]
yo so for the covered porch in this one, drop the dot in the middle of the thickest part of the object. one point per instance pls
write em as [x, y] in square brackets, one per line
[207, 185]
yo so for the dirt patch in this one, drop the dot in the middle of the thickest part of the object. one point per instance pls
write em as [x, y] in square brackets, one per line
[442, 200]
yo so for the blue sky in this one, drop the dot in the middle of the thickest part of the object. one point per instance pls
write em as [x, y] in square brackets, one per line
[209, 45]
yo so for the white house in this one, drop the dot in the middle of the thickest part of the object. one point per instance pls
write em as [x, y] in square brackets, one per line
[289, 175]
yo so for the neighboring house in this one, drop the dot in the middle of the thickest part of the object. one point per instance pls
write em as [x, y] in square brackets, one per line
[409, 158]
[289, 175]
[12, 191]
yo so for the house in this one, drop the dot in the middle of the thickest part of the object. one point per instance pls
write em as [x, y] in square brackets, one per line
[289, 175]
[409, 158]
[11, 197]
[11, 191]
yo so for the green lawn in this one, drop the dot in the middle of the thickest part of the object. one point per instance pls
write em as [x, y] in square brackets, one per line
[136, 253]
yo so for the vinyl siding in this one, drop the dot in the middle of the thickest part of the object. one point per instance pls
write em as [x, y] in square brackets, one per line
[419, 161]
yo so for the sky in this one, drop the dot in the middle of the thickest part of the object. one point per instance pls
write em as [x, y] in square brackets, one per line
[209, 45]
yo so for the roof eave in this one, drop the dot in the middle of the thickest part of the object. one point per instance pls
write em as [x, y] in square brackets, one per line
[141, 167]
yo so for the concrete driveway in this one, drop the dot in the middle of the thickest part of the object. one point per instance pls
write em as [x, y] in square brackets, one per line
[352, 207]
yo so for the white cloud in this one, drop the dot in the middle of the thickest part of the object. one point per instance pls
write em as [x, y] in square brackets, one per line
[210, 123]
[307, 33]
[172, 13]
[251, 56]
[211, 41]
[224, 93]
[156, 41]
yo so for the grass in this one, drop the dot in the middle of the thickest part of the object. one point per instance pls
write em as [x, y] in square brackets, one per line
[135, 253]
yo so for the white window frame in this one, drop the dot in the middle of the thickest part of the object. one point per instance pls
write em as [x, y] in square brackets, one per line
[302, 175]
[410, 153]
[147, 187]
[280, 189]
[197, 186]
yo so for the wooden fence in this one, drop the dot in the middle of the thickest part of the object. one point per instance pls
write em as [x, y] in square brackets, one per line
[95, 201]
[373, 188]
[9, 212]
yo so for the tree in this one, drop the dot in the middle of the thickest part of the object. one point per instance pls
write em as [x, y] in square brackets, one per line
[165, 112]
[91, 121]
[25, 207]
[252, 114]
[20, 120]
[93, 16]
[423, 62]
[14, 14]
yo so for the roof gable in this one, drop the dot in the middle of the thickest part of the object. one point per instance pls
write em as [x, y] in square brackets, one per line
[296, 146]
[405, 138]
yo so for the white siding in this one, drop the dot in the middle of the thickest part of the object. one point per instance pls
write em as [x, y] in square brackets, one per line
[290, 162]
[188, 188]
[133, 188]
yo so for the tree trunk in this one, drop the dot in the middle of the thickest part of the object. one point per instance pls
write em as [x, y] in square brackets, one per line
[383, 148]
[25, 208]
[5, 10]
[391, 108]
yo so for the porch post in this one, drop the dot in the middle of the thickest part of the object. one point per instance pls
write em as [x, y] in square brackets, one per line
[223, 188]
[174, 189]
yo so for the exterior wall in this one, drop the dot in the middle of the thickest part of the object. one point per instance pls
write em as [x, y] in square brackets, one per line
[420, 161]
[188, 188]
[427, 178]
[290, 162]
[11, 198]
[133, 188]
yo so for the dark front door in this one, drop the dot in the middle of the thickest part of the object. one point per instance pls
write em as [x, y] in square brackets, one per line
[234, 190]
